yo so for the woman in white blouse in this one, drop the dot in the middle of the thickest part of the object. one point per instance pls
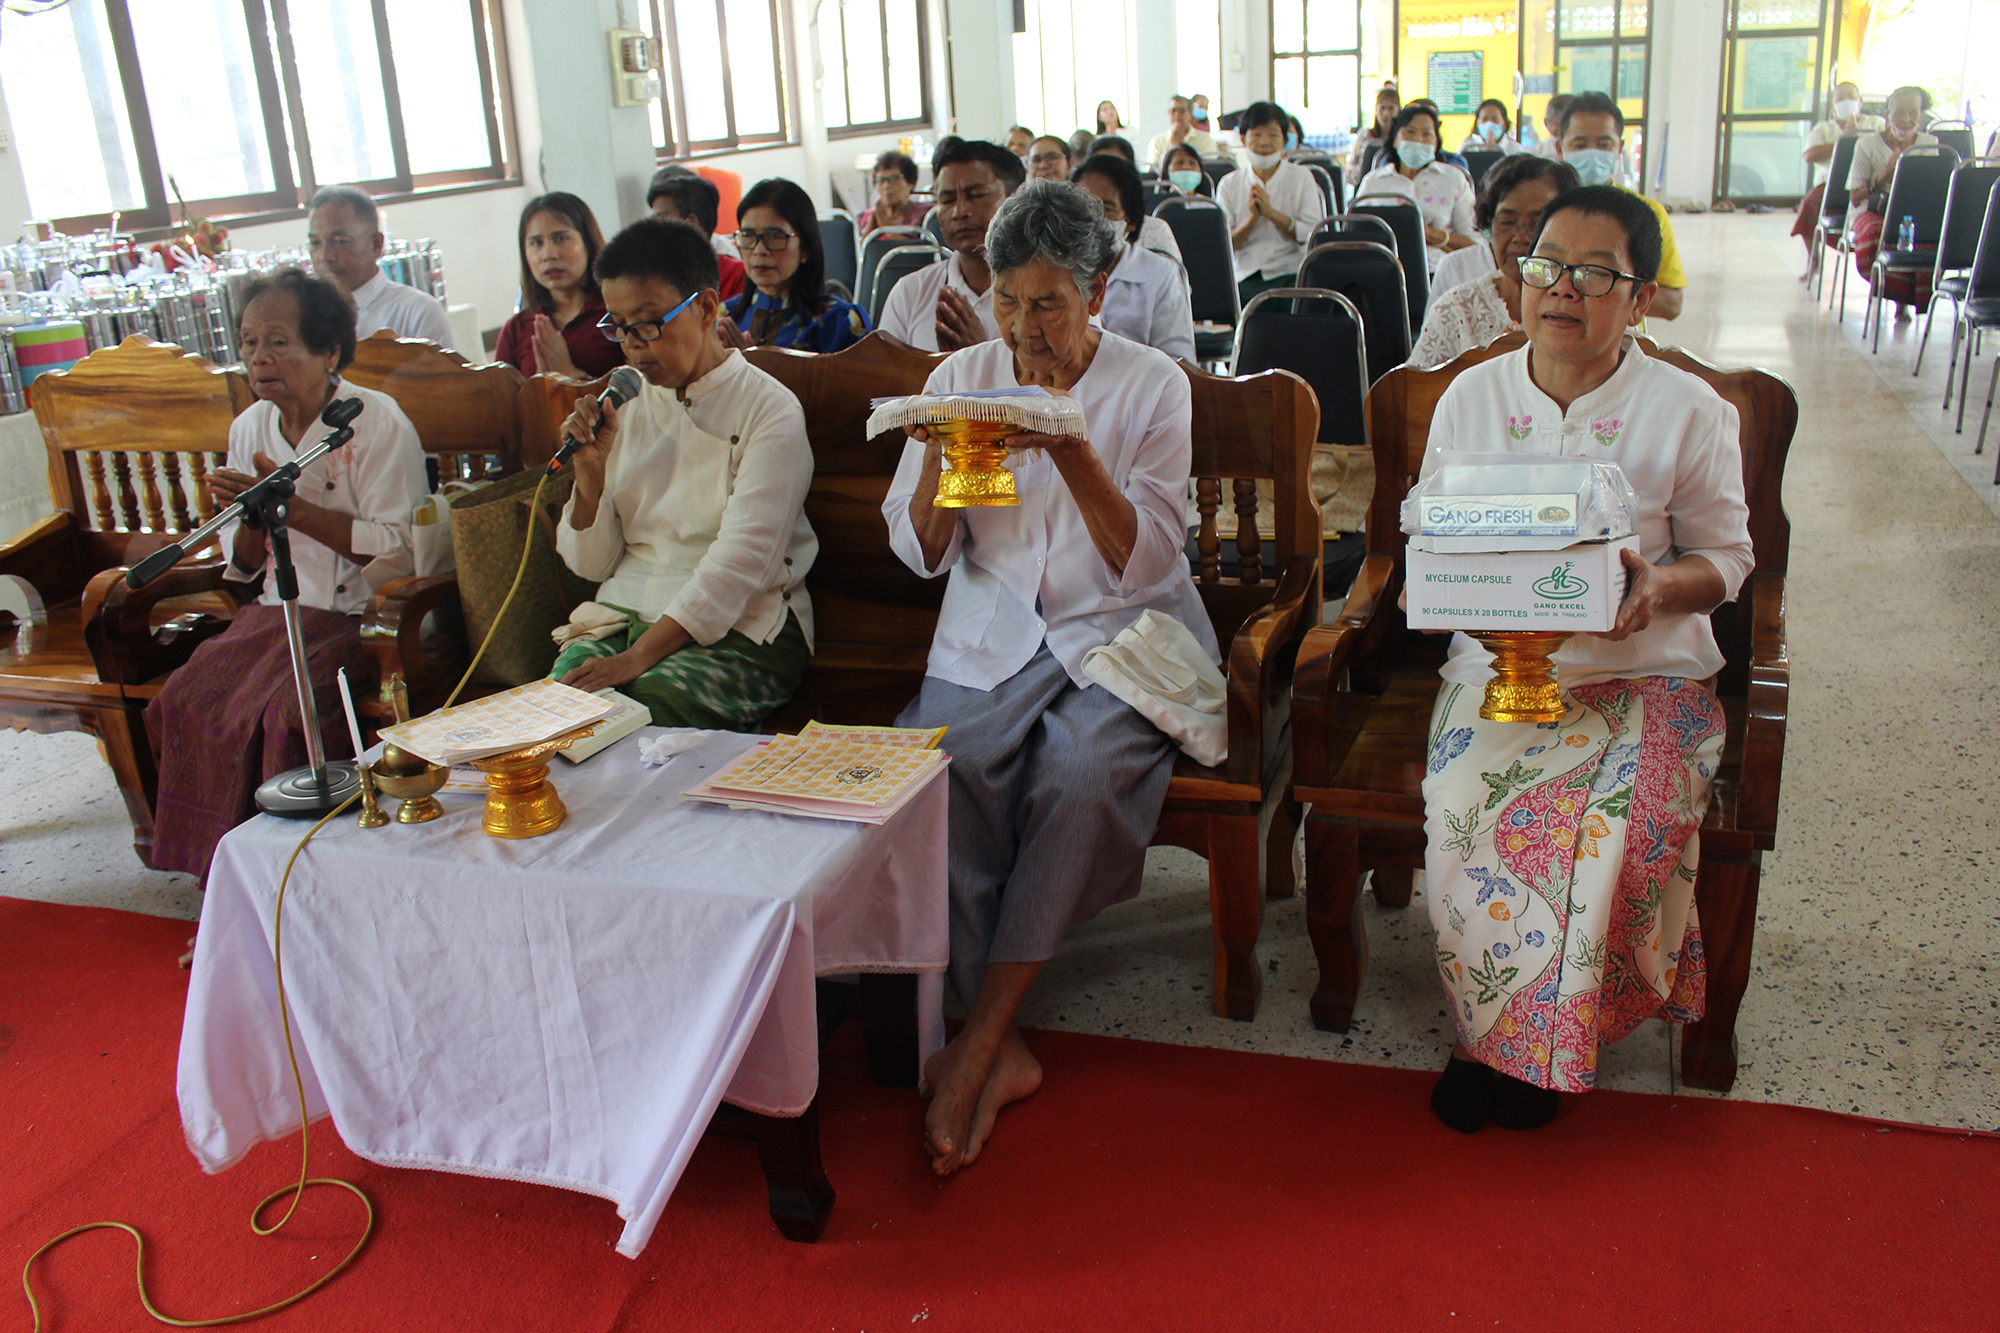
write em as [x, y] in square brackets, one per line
[1056, 784]
[1443, 192]
[1146, 299]
[230, 718]
[688, 507]
[1562, 856]
[1273, 206]
[1473, 311]
[1492, 130]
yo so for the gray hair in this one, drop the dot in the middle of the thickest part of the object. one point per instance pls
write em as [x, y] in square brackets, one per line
[1058, 222]
[364, 208]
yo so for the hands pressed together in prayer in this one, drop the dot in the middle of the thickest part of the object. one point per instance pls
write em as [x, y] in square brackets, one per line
[551, 352]
[958, 325]
[332, 530]
[731, 336]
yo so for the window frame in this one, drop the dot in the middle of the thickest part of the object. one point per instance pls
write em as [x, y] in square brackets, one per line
[1826, 39]
[281, 117]
[673, 95]
[853, 129]
[1306, 56]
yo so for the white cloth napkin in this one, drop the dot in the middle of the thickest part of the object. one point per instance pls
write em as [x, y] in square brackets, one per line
[657, 750]
[590, 620]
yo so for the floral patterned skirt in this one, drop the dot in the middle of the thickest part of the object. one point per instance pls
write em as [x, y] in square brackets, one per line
[1561, 866]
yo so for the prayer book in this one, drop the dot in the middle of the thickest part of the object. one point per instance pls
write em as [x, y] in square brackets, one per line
[925, 738]
[523, 716]
[825, 775]
[629, 717]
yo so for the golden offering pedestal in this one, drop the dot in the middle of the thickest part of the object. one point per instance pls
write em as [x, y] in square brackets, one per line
[975, 472]
[1524, 687]
[520, 803]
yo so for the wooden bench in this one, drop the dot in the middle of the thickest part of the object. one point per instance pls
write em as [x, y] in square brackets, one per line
[1366, 685]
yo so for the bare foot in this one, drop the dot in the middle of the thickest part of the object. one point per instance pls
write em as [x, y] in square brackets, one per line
[187, 959]
[957, 1075]
[1014, 1077]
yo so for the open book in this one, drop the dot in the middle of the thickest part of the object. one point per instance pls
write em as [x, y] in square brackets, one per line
[826, 774]
[523, 716]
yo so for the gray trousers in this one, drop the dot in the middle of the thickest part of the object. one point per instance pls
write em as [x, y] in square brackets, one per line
[1055, 792]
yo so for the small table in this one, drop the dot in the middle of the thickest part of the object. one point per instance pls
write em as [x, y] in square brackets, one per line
[569, 1009]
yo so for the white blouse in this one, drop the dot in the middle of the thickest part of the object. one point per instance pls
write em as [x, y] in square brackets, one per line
[702, 516]
[1461, 265]
[1872, 155]
[910, 313]
[1676, 440]
[377, 479]
[1443, 194]
[1155, 234]
[1029, 573]
[1470, 315]
[1268, 252]
[408, 313]
[1146, 300]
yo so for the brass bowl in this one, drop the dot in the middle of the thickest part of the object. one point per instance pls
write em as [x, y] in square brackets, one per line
[520, 803]
[415, 790]
[1525, 686]
[975, 473]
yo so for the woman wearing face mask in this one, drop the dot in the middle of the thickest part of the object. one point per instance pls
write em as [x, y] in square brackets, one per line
[1181, 167]
[1874, 166]
[1146, 296]
[1273, 207]
[1492, 130]
[1847, 118]
[1387, 103]
[1442, 193]
[1471, 308]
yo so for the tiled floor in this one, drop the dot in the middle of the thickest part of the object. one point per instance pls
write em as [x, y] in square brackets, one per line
[1870, 991]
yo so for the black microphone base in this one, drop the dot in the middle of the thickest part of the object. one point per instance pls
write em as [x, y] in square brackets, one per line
[295, 795]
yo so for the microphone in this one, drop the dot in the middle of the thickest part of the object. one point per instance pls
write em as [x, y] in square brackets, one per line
[624, 387]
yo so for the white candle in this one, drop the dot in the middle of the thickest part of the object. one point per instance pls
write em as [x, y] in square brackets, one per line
[353, 725]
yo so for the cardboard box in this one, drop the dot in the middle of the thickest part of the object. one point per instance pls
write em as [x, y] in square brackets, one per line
[1577, 588]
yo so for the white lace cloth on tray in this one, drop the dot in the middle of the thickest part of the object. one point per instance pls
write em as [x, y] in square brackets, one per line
[1470, 315]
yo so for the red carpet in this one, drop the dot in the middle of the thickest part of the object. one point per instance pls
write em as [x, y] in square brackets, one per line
[1146, 1187]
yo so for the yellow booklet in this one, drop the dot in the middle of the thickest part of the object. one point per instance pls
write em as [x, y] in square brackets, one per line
[827, 775]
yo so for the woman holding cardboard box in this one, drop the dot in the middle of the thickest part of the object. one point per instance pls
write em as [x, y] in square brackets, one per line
[1562, 856]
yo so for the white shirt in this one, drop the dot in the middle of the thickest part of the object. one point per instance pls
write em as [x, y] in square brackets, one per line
[911, 310]
[1872, 155]
[377, 479]
[1155, 234]
[1479, 143]
[1028, 573]
[1828, 131]
[723, 245]
[702, 516]
[1676, 440]
[1461, 266]
[1470, 315]
[1268, 252]
[1146, 300]
[1162, 141]
[1443, 194]
[381, 304]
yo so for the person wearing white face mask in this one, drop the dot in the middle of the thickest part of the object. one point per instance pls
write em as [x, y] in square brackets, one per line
[1593, 142]
[1443, 193]
[1492, 130]
[1847, 118]
[1273, 207]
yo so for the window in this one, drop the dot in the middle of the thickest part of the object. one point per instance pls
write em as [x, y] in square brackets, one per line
[725, 83]
[1572, 46]
[875, 62]
[1774, 90]
[1069, 55]
[1316, 62]
[248, 106]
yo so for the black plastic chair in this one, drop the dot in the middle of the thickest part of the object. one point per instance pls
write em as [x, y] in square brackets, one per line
[876, 244]
[1980, 312]
[1370, 156]
[1477, 163]
[1407, 222]
[1830, 232]
[1367, 276]
[1955, 135]
[1215, 168]
[1327, 193]
[1917, 191]
[840, 242]
[1201, 229]
[898, 264]
[1354, 227]
[934, 225]
[1958, 245]
[1158, 194]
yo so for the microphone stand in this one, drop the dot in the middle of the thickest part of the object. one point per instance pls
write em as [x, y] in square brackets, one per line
[318, 787]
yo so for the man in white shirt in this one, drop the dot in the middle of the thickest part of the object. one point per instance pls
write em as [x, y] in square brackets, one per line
[1550, 144]
[950, 305]
[1180, 129]
[344, 232]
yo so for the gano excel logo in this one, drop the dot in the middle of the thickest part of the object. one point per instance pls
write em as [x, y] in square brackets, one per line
[1561, 583]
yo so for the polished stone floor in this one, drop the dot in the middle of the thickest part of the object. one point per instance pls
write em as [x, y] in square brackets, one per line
[1869, 992]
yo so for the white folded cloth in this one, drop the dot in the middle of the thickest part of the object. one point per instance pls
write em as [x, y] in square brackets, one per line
[657, 750]
[590, 620]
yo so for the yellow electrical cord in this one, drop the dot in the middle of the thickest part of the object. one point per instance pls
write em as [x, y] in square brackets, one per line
[297, 1189]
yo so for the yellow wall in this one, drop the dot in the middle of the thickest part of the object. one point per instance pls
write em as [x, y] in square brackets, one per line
[1486, 26]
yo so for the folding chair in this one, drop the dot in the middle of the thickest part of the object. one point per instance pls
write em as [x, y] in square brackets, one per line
[1329, 190]
[1368, 277]
[1478, 163]
[1201, 229]
[840, 242]
[1979, 312]
[1953, 134]
[934, 225]
[898, 264]
[1830, 232]
[1407, 222]
[1215, 168]
[1958, 245]
[1354, 227]
[876, 244]
[1916, 191]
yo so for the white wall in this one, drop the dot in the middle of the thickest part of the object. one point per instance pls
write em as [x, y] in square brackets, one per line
[1682, 111]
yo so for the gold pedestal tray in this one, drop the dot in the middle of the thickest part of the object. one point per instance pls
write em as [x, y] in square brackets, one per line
[520, 803]
[975, 473]
[1524, 687]
[416, 791]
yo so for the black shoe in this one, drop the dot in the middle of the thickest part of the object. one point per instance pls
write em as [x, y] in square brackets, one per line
[1463, 1097]
[1520, 1105]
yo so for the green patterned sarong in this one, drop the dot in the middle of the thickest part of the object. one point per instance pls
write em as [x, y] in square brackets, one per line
[732, 684]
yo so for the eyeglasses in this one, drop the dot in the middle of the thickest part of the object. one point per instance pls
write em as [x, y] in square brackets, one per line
[645, 330]
[1044, 159]
[882, 182]
[773, 240]
[1588, 279]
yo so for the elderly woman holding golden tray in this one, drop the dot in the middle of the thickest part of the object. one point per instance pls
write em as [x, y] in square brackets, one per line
[1562, 854]
[1056, 784]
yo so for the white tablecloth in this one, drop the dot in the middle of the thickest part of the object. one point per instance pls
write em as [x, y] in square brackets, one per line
[566, 1009]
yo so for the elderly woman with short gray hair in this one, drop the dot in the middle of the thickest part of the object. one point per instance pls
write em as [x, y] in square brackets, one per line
[1056, 784]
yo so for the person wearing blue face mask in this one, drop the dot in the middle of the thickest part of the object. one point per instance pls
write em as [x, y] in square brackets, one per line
[1182, 167]
[1492, 130]
[1443, 194]
[1592, 141]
